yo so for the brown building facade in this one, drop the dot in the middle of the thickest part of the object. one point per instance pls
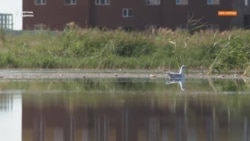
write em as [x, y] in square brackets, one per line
[139, 14]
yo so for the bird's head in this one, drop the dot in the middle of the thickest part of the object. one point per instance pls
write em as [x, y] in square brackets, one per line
[182, 69]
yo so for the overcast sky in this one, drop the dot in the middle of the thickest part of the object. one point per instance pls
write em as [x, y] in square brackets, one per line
[14, 7]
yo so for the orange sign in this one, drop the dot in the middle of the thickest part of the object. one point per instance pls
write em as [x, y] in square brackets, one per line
[227, 13]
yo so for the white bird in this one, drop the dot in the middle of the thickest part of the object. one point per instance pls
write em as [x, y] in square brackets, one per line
[177, 76]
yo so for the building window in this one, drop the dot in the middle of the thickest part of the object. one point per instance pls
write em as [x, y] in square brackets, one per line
[181, 2]
[127, 12]
[102, 2]
[40, 2]
[39, 27]
[212, 27]
[213, 2]
[6, 21]
[153, 2]
[70, 2]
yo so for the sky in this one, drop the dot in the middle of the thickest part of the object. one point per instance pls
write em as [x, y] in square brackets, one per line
[14, 7]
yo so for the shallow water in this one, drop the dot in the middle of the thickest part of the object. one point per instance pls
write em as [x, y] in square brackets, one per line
[124, 109]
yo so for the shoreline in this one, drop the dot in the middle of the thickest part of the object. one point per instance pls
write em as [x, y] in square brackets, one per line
[13, 74]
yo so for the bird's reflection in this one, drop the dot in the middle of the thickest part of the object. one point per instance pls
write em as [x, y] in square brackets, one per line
[181, 83]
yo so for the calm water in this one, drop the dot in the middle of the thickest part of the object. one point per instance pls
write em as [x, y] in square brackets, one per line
[124, 109]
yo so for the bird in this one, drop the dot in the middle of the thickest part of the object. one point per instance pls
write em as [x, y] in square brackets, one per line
[177, 76]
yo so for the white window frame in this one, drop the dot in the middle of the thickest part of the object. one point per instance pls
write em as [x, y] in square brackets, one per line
[72, 2]
[128, 11]
[153, 2]
[213, 27]
[181, 2]
[102, 2]
[39, 27]
[40, 2]
[213, 2]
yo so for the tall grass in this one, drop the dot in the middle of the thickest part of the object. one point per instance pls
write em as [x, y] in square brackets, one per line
[95, 48]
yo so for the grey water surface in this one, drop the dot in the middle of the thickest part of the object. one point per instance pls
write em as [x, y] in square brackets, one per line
[124, 109]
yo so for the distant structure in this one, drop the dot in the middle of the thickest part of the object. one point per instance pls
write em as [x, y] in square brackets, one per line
[6, 21]
[137, 14]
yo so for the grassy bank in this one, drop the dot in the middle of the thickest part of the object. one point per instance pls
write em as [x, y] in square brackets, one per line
[94, 48]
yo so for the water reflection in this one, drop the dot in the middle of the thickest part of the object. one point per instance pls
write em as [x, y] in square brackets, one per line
[129, 121]
[180, 83]
[10, 117]
[124, 110]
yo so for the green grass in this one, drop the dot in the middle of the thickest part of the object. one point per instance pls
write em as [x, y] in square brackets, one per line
[101, 49]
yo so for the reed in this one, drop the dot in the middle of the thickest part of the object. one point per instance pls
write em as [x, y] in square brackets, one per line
[219, 52]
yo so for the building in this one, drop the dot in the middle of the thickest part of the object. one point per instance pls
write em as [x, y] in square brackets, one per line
[139, 14]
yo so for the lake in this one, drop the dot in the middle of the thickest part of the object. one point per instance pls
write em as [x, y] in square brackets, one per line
[124, 109]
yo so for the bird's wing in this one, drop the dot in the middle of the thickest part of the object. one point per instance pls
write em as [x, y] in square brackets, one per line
[171, 82]
[173, 74]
